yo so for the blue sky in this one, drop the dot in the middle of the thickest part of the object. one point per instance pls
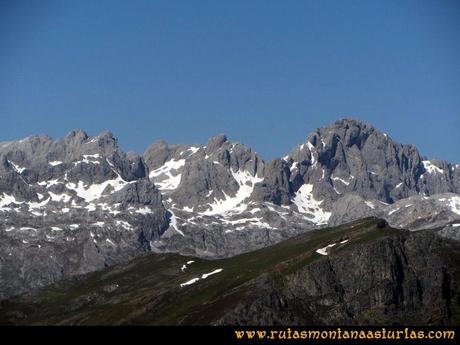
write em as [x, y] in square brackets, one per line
[266, 73]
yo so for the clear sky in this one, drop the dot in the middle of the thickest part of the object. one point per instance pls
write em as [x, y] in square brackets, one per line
[266, 73]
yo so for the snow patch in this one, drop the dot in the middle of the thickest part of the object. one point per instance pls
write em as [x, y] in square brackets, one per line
[124, 224]
[96, 190]
[8, 200]
[27, 228]
[204, 276]
[167, 177]
[341, 180]
[190, 282]
[17, 168]
[323, 251]
[393, 211]
[431, 168]
[246, 184]
[173, 223]
[370, 204]
[144, 210]
[307, 204]
[454, 204]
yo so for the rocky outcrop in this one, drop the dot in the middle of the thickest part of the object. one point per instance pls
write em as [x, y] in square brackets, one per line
[404, 280]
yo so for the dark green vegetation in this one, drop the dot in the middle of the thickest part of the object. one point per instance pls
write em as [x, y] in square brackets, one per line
[381, 275]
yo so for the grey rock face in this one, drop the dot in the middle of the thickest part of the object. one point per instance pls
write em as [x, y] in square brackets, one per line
[72, 206]
[400, 281]
[212, 201]
[343, 172]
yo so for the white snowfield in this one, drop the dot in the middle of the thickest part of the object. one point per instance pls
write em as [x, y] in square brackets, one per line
[246, 184]
[6, 200]
[431, 168]
[203, 276]
[307, 204]
[96, 190]
[167, 177]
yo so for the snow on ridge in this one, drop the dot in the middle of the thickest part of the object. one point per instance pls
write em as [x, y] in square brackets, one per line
[194, 149]
[307, 204]
[431, 168]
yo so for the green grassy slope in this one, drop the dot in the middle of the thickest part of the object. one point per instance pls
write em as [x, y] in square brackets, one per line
[147, 289]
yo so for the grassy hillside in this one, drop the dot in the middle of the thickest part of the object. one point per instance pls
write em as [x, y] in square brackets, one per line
[147, 290]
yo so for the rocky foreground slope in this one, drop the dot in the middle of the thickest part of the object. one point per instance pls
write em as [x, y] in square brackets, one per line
[80, 204]
[364, 273]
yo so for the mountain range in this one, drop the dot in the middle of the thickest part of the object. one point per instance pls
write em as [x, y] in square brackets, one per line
[80, 204]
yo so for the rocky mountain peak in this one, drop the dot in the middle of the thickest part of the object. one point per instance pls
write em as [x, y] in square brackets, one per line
[216, 200]
[78, 134]
[216, 142]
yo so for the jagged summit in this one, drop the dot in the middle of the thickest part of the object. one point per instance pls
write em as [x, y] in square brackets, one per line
[84, 203]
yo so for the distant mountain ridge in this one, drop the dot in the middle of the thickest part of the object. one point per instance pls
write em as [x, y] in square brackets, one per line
[80, 203]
